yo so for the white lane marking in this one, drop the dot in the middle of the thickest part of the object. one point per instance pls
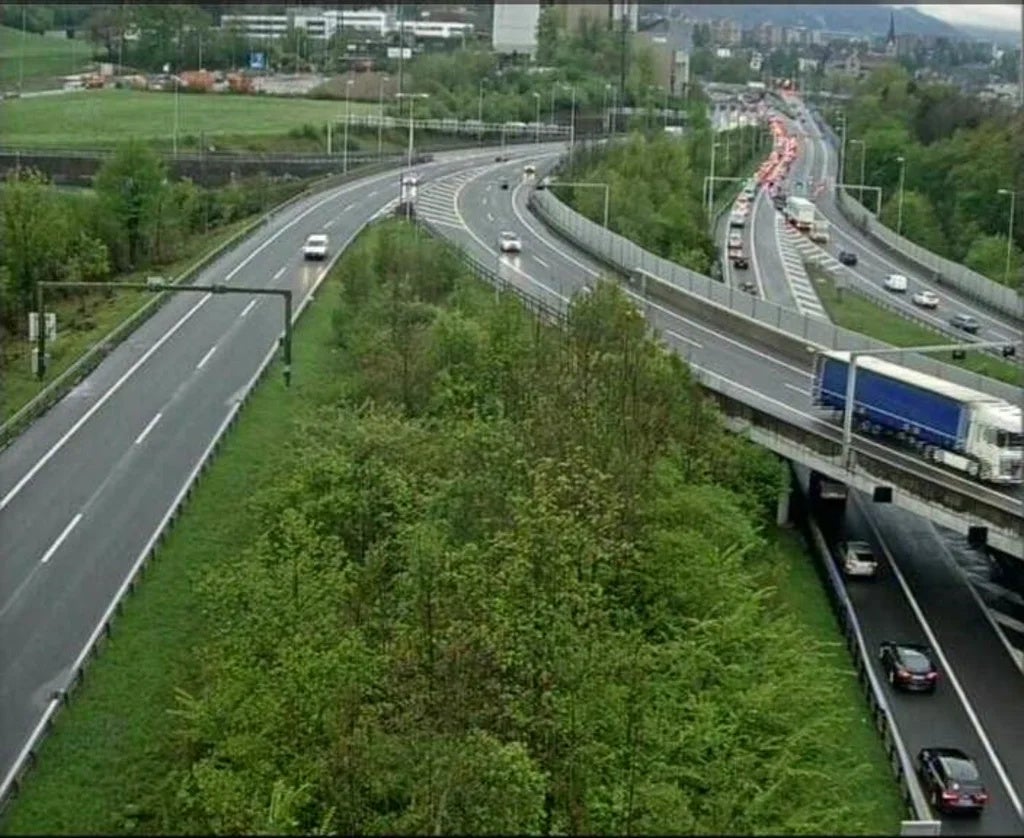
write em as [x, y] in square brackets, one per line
[487, 188]
[950, 674]
[490, 217]
[541, 261]
[60, 443]
[371, 194]
[484, 202]
[752, 245]
[60, 538]
[330, 224]
[348, 207]
[683, 338]
[248, 308]
[795, 389]
[147, 429]
[280, 271]
[206, 357]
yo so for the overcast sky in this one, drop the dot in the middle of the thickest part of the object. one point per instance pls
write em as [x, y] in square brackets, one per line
[999, 15]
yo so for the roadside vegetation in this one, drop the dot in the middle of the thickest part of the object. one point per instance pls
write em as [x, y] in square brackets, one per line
[471, 575]
[37, 62]
[106, 234]
[854, 311]
[951, 203]
[656, 187]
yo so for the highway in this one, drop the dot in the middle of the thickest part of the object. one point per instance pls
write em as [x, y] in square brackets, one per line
[991, 684]
[85, 487]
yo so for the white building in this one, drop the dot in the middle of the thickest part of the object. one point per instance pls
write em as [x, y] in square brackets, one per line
[515, 28]
[257, 26]
[436, 29]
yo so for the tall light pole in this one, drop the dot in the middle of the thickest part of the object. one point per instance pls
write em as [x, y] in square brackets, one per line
[899, 210]
[1009, 234]
[572, 125]
[536, 124]
[412, 97]
[604, 106]
[480, 110]
[615, 110]
[344, 157]
[711, 183]
[380, 118]
[554, 89]
[863, 154]
[174, 139]
[842, 149]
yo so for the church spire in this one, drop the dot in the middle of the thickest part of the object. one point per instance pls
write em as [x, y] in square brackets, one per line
[891, 39]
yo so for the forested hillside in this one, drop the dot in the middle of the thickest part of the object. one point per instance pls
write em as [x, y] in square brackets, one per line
[960, 151]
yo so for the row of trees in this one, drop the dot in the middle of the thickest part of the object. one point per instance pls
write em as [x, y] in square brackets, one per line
[657, 186]
[135, 217]
[959, 151]
[512, 584]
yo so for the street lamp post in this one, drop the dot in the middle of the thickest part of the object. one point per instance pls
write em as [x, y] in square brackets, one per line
[344, 153]
[174, 140]
[842, 149]
[536, 124]
[572, 126]
[380, 118]
[554, 90]
[411, 97]
[604, 106]
[480, 111]
[615, 110]
[1009, 234]
[711, 183]
[863, 154]
[849, 404]
[899, 209]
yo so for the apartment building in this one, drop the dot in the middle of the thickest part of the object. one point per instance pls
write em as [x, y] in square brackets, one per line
[321, 24]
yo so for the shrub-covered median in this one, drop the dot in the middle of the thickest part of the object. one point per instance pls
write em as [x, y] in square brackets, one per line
[471, 575]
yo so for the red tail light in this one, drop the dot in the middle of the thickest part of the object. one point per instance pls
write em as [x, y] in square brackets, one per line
[902, 674]
[950, 795]
[981, 797]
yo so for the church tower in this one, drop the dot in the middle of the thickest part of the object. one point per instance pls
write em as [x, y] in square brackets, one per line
[890, 41]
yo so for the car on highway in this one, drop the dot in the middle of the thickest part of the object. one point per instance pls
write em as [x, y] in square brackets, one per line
[896, 283]
[411, 179]
[748, 286]
[504, 184]
[847, 258]
[739, 261]
[545, 182]
[501, 158]
[908, 666]
[951, 780]
[315, 246]
[735, 239]
[965, 323]
[509, 242]
[529, 170]
[926, 299]
[858, 559]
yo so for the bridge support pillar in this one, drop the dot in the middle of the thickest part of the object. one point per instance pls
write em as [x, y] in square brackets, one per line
[785, 491]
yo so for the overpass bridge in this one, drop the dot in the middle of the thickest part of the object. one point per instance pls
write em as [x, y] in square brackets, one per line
[785, 421]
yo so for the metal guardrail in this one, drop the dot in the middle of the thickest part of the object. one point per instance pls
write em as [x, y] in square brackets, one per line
[943, 271]
[93, 356]
[623, 256]
[61, 697]
[881, 713]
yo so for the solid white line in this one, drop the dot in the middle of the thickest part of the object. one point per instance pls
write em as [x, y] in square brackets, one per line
[371, 194]
[206, 357]
[683, 338]
[60, 538]
[795, 389]
[541, 261]
[147, 429]
[490, 217]
[57, 446]
[248, 308]
[280, 271]
[950, 674]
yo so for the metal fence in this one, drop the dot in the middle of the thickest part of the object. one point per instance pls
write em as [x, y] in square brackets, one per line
[943, 271]
[623, 256]
[459, 126]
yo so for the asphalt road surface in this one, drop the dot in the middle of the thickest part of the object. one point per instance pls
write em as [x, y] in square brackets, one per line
[85, 487]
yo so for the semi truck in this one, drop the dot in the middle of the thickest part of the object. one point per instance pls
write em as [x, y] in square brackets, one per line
[946, 423]
[800, 212]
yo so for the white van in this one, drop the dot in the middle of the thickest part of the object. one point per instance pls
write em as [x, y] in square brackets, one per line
[896, 282]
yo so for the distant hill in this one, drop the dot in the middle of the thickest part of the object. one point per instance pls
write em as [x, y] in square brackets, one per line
[855, 19]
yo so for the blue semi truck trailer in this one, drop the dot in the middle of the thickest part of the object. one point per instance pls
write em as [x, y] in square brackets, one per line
[949, 424]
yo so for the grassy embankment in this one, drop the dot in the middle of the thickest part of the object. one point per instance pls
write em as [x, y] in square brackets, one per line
[39, 62]
[859, 314]
[103, 759]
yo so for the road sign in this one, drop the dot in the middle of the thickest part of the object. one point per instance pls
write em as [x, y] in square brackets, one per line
[33, 326]
[257, 61]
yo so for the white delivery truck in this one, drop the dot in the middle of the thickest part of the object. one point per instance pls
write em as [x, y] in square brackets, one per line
[800, 212]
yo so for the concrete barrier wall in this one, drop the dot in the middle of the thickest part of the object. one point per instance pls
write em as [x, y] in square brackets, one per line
[971, 284]
[738, 313]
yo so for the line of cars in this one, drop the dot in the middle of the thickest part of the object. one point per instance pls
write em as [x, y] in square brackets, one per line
[949, 776]
[898, 284]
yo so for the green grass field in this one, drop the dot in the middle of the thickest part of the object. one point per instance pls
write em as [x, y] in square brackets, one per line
[859, 314]
[39, 61]
[98, 118]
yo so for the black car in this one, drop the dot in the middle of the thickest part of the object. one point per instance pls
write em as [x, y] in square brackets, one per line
[908, 666]
[951, 780]
[749, 286]
[965, 322]
[847, 258]
[740, 262]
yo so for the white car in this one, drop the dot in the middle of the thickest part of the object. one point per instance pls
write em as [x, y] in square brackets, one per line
[510, 243]
[896, 282]
[411, 179]
[315, 247]
[529, 170]
[735, 240]
[858, 559]
[926, 299]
